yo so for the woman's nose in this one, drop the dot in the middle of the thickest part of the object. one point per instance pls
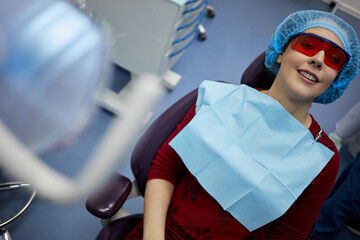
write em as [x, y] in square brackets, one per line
[317, 60]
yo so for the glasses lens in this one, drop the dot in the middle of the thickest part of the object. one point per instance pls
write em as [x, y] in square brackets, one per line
[335, 58]
[308, 45]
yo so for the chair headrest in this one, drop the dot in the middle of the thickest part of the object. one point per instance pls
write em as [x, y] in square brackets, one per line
[257, 75]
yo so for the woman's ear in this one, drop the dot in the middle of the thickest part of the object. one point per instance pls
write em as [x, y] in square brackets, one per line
[279, 58]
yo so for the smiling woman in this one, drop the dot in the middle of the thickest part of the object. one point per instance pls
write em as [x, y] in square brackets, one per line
[308, 66]
[335, 29]
[226, 171]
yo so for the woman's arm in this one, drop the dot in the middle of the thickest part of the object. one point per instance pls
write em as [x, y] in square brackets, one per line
[165, 172]
[158, 194]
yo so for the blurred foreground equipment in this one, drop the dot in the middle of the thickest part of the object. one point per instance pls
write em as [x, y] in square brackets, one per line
[53, 61]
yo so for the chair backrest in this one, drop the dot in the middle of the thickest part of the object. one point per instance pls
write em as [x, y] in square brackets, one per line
[256, 75]
[156, 134]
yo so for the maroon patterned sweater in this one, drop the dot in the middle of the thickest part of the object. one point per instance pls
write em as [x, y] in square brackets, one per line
[194, 214]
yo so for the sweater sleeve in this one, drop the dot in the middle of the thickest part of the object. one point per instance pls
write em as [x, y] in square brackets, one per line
[167, 164]
[300, 218]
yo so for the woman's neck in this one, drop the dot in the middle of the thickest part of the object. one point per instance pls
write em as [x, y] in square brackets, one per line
[299, 110]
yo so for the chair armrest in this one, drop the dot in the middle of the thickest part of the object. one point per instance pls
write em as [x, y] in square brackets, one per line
[106, 202]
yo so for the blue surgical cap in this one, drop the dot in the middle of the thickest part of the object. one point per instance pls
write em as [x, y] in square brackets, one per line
[302, 20]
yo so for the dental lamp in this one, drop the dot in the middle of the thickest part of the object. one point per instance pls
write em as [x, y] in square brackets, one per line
[53, 62]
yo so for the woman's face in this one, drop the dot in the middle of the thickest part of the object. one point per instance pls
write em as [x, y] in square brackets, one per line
[305, 78]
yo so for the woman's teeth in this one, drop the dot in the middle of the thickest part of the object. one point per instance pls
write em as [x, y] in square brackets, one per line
[308, 76]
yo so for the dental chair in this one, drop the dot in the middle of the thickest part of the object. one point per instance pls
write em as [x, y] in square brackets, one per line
[107, 204]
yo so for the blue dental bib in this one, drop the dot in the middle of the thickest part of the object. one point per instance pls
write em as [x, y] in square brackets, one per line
[251, 155]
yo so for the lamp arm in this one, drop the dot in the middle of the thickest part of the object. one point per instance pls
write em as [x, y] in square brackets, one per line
[23, 164]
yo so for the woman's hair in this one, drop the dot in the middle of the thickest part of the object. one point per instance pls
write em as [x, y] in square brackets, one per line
[303, 20]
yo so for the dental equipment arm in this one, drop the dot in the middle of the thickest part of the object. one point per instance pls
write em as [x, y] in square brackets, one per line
[53, 61]
[19, 161]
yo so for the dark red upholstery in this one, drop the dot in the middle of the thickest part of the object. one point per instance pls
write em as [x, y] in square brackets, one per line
[141, 158]
[257, 75]
[109, 200]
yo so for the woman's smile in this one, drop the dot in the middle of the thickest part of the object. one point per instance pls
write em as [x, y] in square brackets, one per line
[308, 76]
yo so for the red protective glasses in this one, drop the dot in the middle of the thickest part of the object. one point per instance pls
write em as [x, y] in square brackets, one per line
[310, 44]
